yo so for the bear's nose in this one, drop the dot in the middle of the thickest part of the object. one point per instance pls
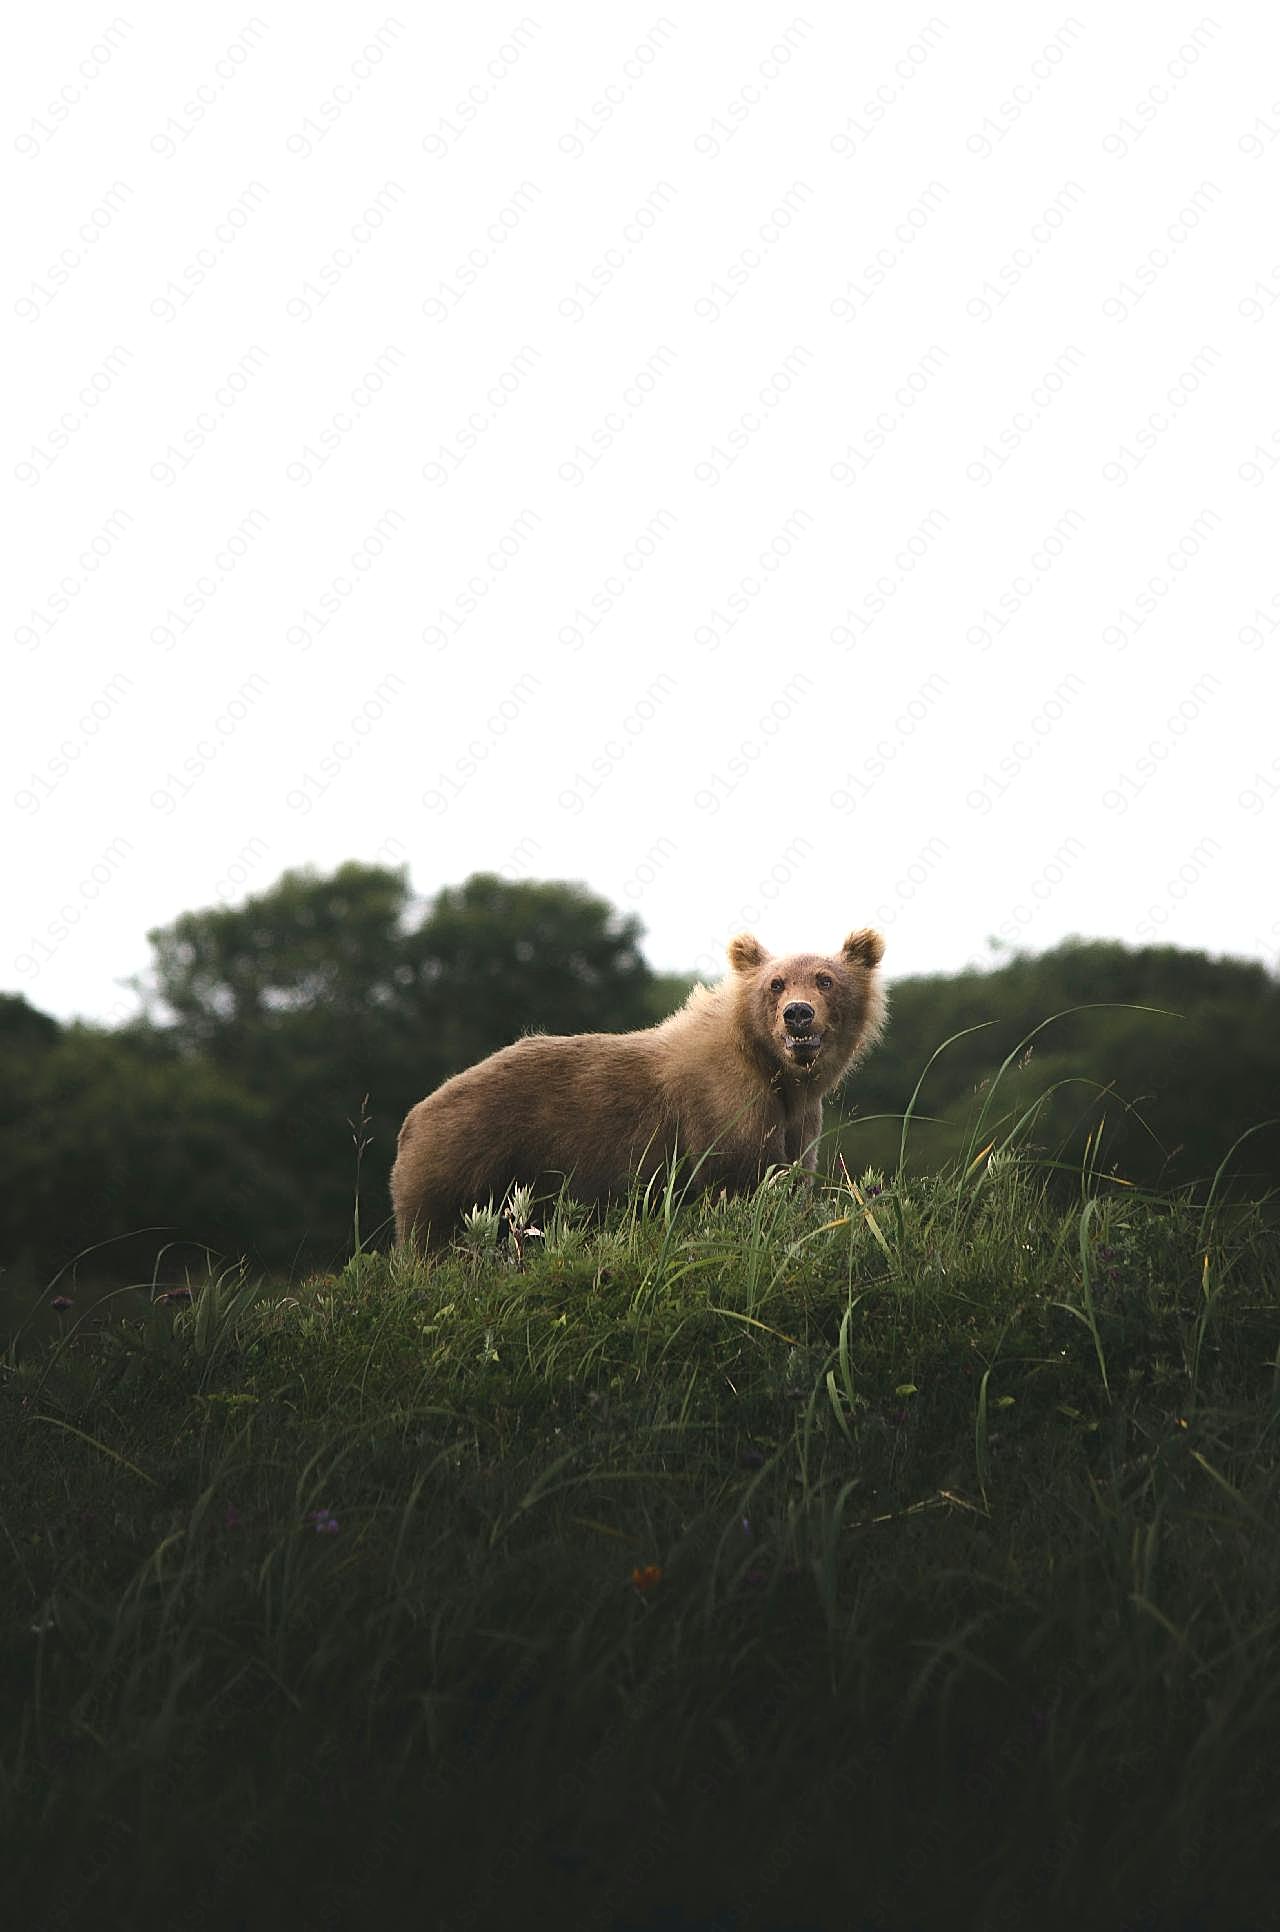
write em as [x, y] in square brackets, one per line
[798, 1014]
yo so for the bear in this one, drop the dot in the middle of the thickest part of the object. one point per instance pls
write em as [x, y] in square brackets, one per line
[732, 1082]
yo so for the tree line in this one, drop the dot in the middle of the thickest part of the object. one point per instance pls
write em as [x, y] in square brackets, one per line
[282, 1041]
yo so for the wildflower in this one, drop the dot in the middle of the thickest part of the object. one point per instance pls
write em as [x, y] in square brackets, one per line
[174, 1294]
[326, 1523]
[746, 1526]
[62, 1303]
[233, 1518]
[751, 1459]
[897, 1415]
[755, 1579]
[645, 1578]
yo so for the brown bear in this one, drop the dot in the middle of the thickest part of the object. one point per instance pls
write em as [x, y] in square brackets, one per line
[733, 1082]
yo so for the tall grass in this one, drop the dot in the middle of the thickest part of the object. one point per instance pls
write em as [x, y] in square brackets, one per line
[862, 1553]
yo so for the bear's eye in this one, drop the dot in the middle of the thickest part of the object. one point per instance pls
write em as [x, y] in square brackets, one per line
[776, 985]
[823, 981]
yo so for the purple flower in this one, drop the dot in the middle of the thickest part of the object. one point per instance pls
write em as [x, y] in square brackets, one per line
[897, 1415]
[751, 1459]
[233, 1518]
[62, 1303]
[326, 1523]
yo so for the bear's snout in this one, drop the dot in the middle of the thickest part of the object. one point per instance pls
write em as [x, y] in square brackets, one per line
[798, 1015]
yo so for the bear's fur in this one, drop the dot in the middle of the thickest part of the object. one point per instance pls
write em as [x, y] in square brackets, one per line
[727, 1077]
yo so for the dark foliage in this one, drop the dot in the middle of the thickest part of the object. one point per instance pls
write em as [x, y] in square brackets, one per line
[1173, 1056]
[283, 1032]
[275, 1028]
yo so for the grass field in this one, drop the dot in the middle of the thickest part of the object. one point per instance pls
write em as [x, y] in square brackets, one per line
[870, 1555]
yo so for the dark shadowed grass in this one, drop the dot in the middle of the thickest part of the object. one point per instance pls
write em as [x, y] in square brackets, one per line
[856, 1556]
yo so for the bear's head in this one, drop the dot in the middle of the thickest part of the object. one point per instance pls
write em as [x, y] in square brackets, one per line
[810, 1014]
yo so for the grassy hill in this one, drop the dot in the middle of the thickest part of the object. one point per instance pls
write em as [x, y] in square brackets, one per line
[862, 1555]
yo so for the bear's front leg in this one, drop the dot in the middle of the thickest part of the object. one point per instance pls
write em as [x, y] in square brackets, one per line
[810, 1132]
[800, 1136]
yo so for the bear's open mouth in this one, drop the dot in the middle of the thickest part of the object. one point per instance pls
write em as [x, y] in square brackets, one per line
[804, 1048]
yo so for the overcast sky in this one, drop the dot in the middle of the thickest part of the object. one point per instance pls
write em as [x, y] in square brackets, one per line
[798, 470]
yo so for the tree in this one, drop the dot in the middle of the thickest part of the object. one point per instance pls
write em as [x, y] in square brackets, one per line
[493, 959]
[24, 1029]
[1192, 1041]
[111, 1139]
[234, 976]
[324, 992]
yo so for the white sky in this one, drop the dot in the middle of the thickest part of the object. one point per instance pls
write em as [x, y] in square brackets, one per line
[778, 348]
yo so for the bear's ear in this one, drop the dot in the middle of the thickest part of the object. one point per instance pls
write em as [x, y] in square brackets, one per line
[864, 948]
[746, 953]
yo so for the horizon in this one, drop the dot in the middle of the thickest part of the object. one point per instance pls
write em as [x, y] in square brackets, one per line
[998, 954]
